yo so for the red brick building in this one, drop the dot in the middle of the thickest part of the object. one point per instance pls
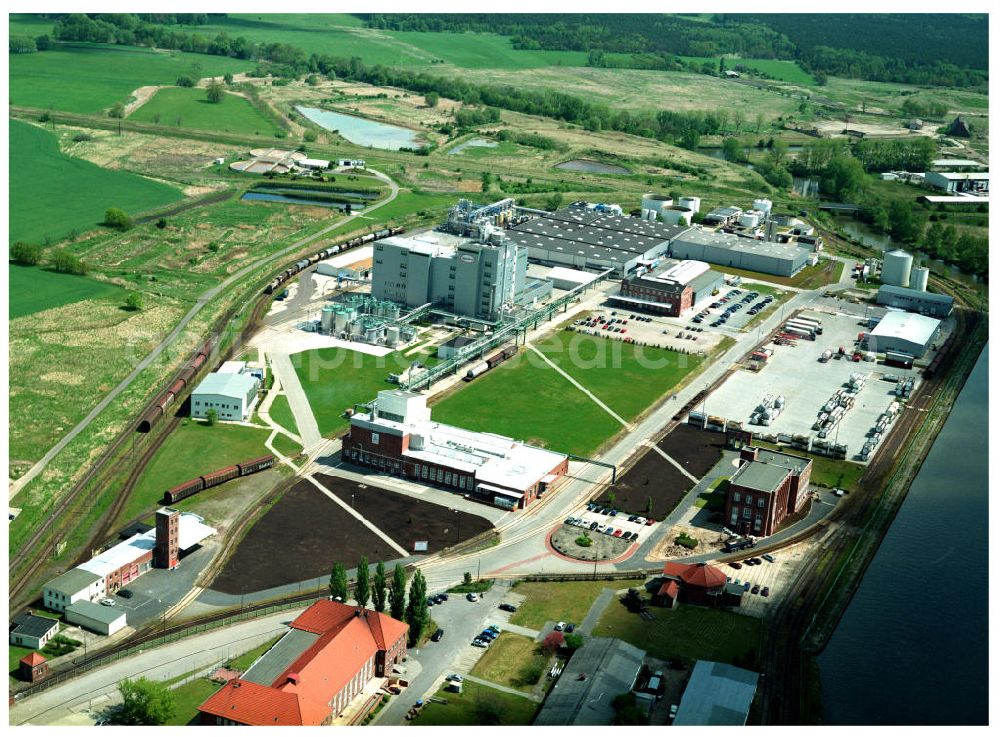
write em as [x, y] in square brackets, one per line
[672, 291]
[33, 667]
[311, 675]
[766, 488]
[695, 583]
[398, 437]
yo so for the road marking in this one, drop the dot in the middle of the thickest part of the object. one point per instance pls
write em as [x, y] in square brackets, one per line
[348, 508]
[517, 563]
[672, 462]
[580, 386]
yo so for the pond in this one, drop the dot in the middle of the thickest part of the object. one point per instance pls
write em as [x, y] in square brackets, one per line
[362, 131]
[295, 200]
[591, 167]
[473, 143]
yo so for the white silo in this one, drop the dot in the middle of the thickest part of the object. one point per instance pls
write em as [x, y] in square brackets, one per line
[657, 203]
[918, 278]
[762, 205]
[750, 219]
[676, 216]
[896, 268]
[691, 203]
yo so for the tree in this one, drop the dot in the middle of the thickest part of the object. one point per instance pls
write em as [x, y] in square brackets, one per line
[133, 302]
[417, 613]
[467, 578]
[227, 77]
[117, 218]
[649, 506]
[627, 712]
[215, 91]
[397, 593]
[22, 45]
[362, 587]
[144, 702]
[211, 417]
[573, 641]
[338, 583]
[185, 82]
[554, 202]
[309, 136]
[117, 111]
[378, 588]
[904, 224]
[43, 43]
[778, 151]
[431, 99]
[731, 149]
[552, 642]
[161, 223]
[27, 254]
[67, 263]
[312, 80]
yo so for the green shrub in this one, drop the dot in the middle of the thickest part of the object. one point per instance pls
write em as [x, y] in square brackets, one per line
[686, 541]
[584, 541]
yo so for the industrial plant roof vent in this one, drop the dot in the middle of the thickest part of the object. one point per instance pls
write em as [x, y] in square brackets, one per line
[293, 678]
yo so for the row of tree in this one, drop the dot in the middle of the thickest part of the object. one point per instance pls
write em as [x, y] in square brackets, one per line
[382, 593]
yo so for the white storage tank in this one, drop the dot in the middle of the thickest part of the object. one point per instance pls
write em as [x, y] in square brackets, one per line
[657, 202]
[750, 219]
[918, 278]
[691, 203]
[896, 268]
[763, 205]
[326, 318]
[676, 216]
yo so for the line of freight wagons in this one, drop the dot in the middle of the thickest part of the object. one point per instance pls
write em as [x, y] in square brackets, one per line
[182, 491]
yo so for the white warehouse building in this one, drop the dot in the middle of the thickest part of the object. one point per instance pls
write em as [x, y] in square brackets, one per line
[231, 395]
[904, 332]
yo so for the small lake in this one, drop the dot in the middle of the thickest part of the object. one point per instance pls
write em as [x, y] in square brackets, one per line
[473, 143]
[362, 131]
[270, 197]
[591, 167]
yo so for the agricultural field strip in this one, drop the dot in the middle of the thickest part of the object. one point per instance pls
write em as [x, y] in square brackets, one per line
[358, 516]
[580, 386]
[203, 299]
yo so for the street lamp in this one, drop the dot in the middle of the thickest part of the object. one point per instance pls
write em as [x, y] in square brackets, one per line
[458, 526]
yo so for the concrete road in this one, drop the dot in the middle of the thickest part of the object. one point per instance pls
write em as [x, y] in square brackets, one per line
[281, 364]
[98, 689]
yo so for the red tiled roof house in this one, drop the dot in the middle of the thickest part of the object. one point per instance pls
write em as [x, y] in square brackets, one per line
[314, 672]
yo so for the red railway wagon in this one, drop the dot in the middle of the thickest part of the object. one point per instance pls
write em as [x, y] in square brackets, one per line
[198, 361]
[255, 465]
[182, 491]
[177, 387]
[221, 476]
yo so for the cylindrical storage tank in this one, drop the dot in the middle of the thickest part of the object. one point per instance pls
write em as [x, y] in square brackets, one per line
[657, 202]
[750, 219]
[357, 329]
[691, 203]
[762, 205]
[326, 318]
[676, 216]
[371, 335]
[896, 268]
[918, 278]
[392, 335]
[340, 320]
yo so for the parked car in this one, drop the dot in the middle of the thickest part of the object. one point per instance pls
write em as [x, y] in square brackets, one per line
[430, 601]
[436, 637]
[736, 565]
[508, 607]
[125, 594]
[107, 602]
[768, 557]
[456, 678]
[755, 589]
[617, 533]
[746, 586]
[570, 627]
[613, 513]
[632, 518]
[593, 525]
[766, 591]
[480, 643]
[560, 626]
[650, 522]
[472, 597]
[443, 597]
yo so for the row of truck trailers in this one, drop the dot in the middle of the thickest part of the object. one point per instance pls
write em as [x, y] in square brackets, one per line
[195, 363]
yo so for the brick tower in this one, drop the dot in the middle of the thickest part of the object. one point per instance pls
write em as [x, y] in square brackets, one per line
[167, 538]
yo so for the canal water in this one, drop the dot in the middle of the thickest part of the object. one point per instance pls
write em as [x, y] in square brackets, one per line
[912, 647]
[362, 131]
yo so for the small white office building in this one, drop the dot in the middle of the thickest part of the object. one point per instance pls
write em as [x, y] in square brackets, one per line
[232, 396]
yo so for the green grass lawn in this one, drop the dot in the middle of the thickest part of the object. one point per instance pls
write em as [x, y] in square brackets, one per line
[281, 412]
[477, 706]
[247, 659]
[14, 655]
[505, 660]
[486, 51]
[193, 449]
[88, 78]
[827, 472]
[52, 194]
[33, 290]
[233, 114]
[188, 698]
[688, 632]
[627, 378]
[784, 71]
[567, 601]
[286, 445]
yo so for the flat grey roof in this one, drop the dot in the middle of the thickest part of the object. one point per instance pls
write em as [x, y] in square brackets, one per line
[276, 660]
[915, 294]
[72, 581]
[717, 694]
[702, 237]
[704, 279]
[31, 625]
[793, 463]
[90, 610]
[609, 667]
[759, 476]
[571, 248]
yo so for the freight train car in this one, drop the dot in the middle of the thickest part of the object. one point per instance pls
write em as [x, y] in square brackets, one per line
[244, 468]
[255, 465]
[221, 476]
[183, 491]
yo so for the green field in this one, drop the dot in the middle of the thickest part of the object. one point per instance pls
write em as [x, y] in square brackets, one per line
[689, 632]
[189, 105]
[281, 412]
[784, 71]
[477, 706]
[32, 290]
[567, 601]
[88, 78]
[627, 378]
[44, 181]
[506, 659]
[191, 450]
[188, 698]
[285, 445]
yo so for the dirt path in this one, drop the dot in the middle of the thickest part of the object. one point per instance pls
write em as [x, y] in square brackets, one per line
[142, 96]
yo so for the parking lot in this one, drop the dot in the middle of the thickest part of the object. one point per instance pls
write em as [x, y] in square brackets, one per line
[592, 520]
[665, 332]
[806, 383]
[732, 308]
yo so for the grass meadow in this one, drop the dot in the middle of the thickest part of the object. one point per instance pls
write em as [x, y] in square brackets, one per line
[192, 109]
[32, 290]
[567, 601]
[477, 705]
[783, 71]
[88, 78]
[44, 181]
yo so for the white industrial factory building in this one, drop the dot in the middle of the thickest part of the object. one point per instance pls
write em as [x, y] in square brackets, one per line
[726, 249]
[231, 394]
[904, 332]
[915, 300]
